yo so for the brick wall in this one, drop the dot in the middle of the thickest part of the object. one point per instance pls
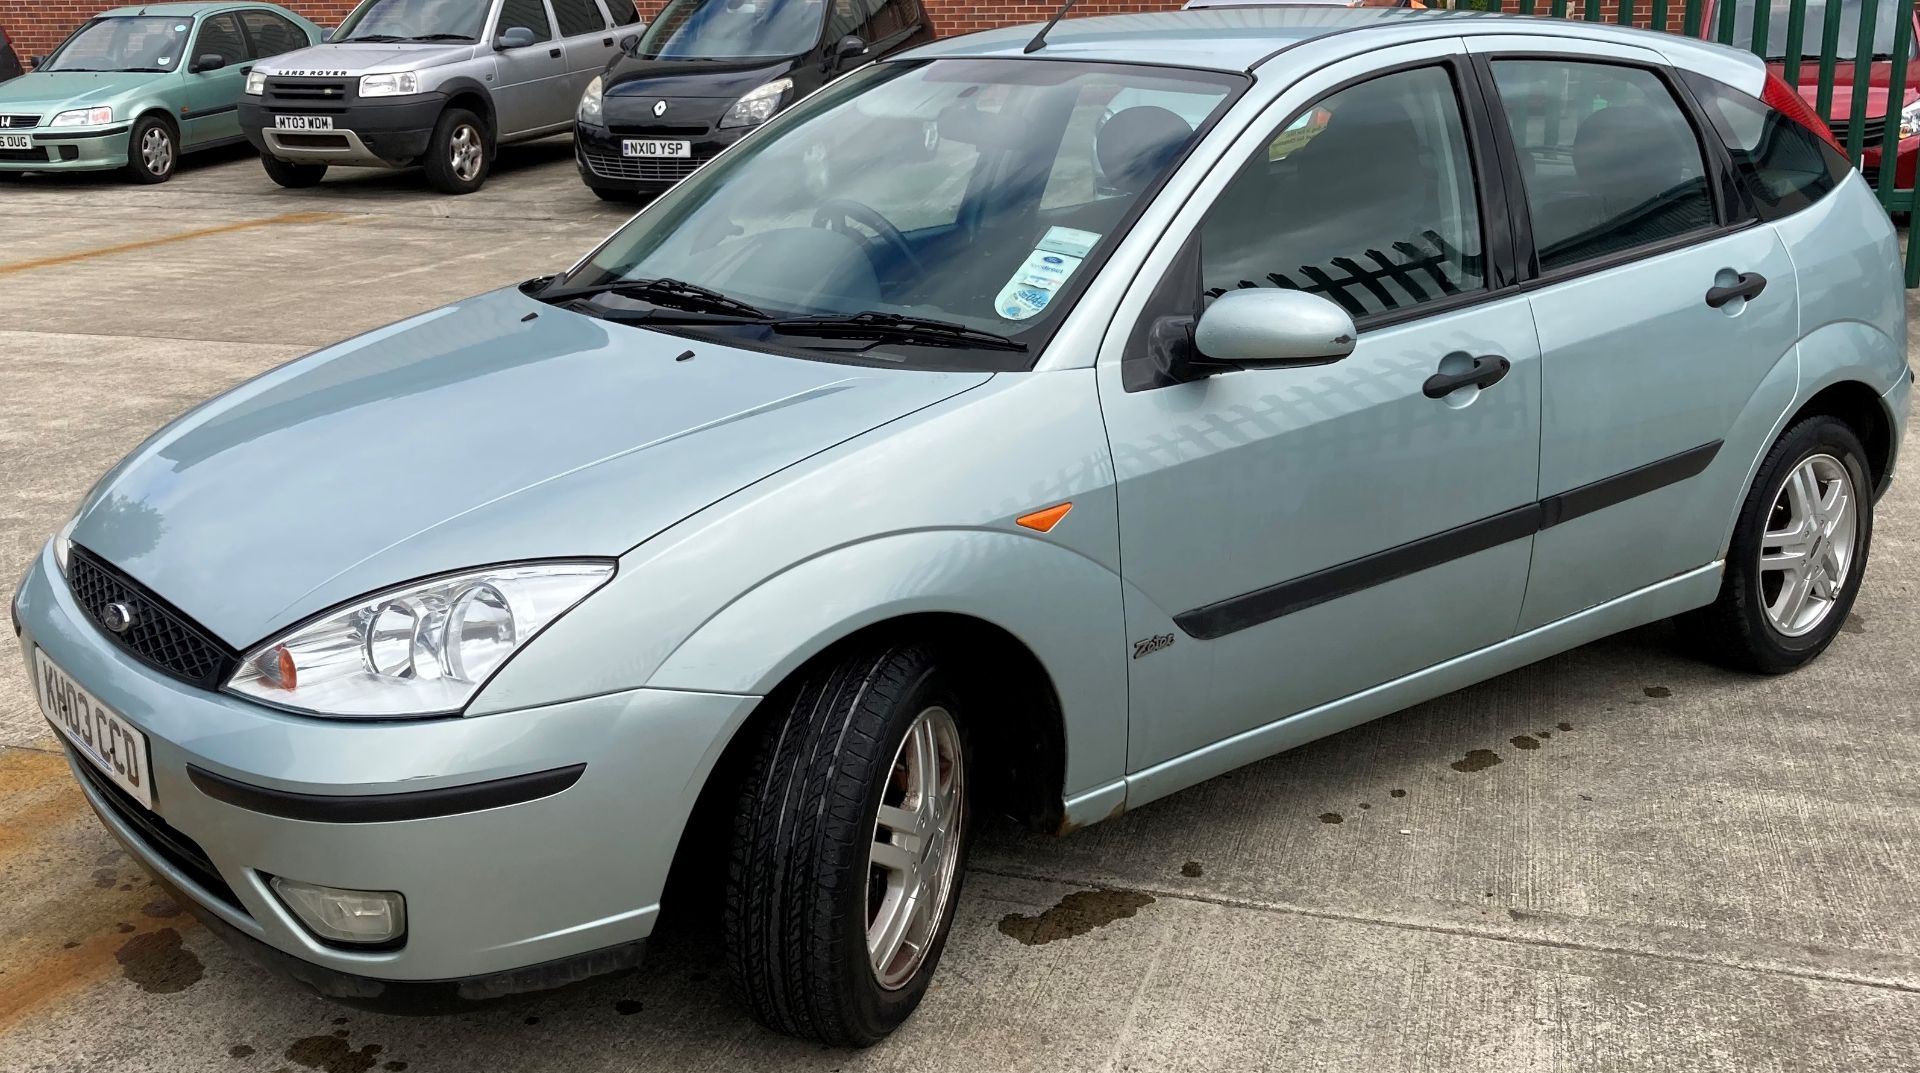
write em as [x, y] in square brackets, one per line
[38, 25]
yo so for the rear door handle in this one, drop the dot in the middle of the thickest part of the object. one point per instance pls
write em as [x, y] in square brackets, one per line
[606, 42]
[1486, 371]
[1748, 286]
[554, 52]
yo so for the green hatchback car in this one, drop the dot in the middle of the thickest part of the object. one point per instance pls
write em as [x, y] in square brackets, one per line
[136, 87]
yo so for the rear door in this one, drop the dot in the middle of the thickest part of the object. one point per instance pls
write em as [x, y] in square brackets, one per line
[1667, 317]
[587, 40]
[533, 80]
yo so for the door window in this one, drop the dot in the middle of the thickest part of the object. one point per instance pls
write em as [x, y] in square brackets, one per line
[220, 36]
[531, 14]
[578, 17]
[1608, 158]
[1367, 199]
[271, 34]
[623, 12]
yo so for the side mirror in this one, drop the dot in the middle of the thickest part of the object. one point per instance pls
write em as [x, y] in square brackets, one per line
[35, 61]
[326, 35]
[630, 44]
[209, 62]
[514, 37]
[849, 47]
[1263, 326]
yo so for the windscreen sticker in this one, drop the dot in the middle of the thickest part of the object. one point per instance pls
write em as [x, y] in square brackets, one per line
[180, 29]
[1043, 273]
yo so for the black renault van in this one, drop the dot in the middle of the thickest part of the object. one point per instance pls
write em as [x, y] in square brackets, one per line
[706, 72]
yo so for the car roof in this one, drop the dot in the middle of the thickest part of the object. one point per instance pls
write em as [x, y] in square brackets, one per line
[1241, 38]
[203, 8]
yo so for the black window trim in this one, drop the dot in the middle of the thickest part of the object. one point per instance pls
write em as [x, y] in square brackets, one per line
[1732, 213]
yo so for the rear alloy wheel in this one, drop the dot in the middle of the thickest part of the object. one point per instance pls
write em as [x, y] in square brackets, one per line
[458, 157]
[1798, 554]
[152, 150]
[290, 175]
[848, 848]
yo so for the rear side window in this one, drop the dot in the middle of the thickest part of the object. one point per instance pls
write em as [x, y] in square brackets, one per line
[623, 12]
[1609, 159]
[1784, 166]
[578, 17]
[531, 14]
[272, 34]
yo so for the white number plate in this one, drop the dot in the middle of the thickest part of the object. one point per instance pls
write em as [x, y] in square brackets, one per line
[652, 147]
[303, 122]
[104, 738]
[16, 141]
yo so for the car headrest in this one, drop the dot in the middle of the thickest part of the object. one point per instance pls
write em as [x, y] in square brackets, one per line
[1136, 144]
[1631, 144]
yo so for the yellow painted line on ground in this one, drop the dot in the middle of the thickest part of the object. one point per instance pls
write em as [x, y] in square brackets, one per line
[165, 240]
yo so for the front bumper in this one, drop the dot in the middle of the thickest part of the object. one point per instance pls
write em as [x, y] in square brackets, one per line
[70, 149]
[388, 134]
[540, 890]
[597, 152]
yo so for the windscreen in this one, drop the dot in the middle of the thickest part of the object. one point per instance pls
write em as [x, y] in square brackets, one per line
[413, 20]
[135, 43]
[733, 29]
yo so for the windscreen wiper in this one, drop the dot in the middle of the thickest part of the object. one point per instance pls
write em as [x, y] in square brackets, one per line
[441, 37]
[892, 327]
[672, 293]
[382, 38]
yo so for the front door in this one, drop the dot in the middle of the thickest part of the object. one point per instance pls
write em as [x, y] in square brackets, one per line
[1666, 323]
[212, 111]
[530, 79]
[1292, 536]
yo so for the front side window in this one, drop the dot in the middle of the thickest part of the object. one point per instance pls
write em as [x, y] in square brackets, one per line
[220, 36]
[974, 193]
[413, 20]
[1367, 199]
[733, 29]
[525, 15]
[272, 35]
[132, 43]
[1608, 158]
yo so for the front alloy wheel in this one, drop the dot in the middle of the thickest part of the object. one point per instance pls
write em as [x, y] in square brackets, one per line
[848, 846]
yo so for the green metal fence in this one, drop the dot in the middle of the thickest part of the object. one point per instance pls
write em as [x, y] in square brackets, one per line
[1853, 60]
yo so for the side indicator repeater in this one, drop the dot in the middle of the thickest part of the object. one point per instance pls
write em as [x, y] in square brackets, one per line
[1043, 521]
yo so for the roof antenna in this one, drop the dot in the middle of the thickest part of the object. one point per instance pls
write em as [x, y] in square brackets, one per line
[1040, 39]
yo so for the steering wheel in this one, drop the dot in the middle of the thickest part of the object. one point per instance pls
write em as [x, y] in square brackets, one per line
[835, 214]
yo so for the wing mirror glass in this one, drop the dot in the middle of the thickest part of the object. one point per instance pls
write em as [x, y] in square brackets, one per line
[1263, 326]
[514, 37]
[630, 44]
[35, 61]
[326, 35]
[849, 47]
[208, 62]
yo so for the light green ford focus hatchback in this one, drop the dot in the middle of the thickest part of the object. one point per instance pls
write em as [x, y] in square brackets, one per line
[137, 86]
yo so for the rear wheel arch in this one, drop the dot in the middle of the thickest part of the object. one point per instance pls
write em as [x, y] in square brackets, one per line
[1863, 410]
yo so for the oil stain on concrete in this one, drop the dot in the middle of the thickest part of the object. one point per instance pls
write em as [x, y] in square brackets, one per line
[1076, 914]
[1657, 692]
[1524, 741]
[333, 1054]
[1476, 760]
[1332, 817]
[1192, 870]
[157, 962]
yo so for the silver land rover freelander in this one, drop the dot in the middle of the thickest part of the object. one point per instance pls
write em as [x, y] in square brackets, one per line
[438, 83]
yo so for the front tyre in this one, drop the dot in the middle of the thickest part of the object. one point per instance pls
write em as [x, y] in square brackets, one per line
[848, 847]
[153, 150]
[458, 158]
[1798, 554]
[290, 175]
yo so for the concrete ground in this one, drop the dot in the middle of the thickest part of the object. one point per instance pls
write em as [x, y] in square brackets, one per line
[1652, 865]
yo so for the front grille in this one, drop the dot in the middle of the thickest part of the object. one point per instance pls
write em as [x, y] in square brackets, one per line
[306, 92]
[1872, 129]
[15, 121]
[654, 130]
[296, 140]
[159, 636]
[166, 841]
[641, 169]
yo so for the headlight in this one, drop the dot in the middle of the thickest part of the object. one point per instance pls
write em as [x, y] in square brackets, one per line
[593, 102]
[1910, 120]
[423, 649]
[256, 82]
[83, 117]
[63, 544]
[399, 85]
[759, 105]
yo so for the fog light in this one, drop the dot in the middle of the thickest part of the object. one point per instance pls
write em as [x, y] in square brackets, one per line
[345, 916]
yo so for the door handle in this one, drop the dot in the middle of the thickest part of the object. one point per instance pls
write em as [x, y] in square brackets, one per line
[606, 42]
[1748, 286]
[1486, 371]
[554, 52]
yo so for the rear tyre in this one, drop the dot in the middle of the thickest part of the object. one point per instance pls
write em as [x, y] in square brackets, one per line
[848, 847]
[459, 156]
[153, 150]
[1798, 554]
[290, 175]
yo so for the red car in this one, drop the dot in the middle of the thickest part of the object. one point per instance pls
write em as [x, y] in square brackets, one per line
[1873, 102]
